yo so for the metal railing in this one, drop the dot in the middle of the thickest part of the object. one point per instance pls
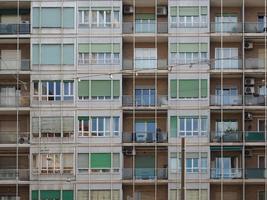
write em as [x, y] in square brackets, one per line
[189, 25]
[231, 136]
[255, 173]
[218, 100]
[13, 64]
[226, 173]
[254, 100]
[254, 136]
[227, 64]
[254, 63]
[8, 137]
[99, 61]
[15, 28]
[142, 63]
[145, 137]
[145, 100]
[226, 27]
[145, 173]
[145, 27]
[13, 174]
[13, 100]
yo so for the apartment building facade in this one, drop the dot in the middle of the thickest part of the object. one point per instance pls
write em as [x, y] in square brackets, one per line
[95, 97]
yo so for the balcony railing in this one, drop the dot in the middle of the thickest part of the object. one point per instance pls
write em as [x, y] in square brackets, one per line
[227, 64]
[254, 63]
[226, 173]
[254, 136]
[7, 137]
[254, 100]
[231, 136]
[15, 28]
[226, 27]
[145, 63]
[12, 174]
[218, 100]
[145, 27]
[145, 137]
[255, 27]
[256, 173]
[99, 61]
[189, 25]
[8, 64]
[13, 100]
[145, 173]
[144, 100]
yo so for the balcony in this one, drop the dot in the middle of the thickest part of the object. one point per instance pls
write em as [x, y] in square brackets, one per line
[144, 100]
[225, 100]
[226, 27]
[226, 173]
[255, 27]
[145, 173]
[145, 137]
[138, 63]
[23, 64]
[14, 100]
[254, 63]
[232, 136]
[15, 28]
[254, 100]
[254, 136]
[227, 64]
[13, 174]
[12, 137]
[145, 27]
[255, 173]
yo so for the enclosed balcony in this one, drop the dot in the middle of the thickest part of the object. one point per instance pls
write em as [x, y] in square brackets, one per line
[255, 163]
[225, 100]
[254, 54]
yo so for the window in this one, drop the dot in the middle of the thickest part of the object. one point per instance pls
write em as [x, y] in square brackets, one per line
[226, 23]
[83, 126]
[52, 195]
[51, 91]
[101, 18]
[68, 90]
[35, 90]
[83, 58]
[116, 126]
[192, 126]
[261, 195]
[145, 97]
[226, 58]
[83, 18]
[145, 23]
[145, 58]
[100, 126]
[99, 194]
[223, 127]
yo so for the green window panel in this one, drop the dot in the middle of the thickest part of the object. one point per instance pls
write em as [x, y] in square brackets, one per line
[203, 47]
[204, 10]
[100, 88]
[189, 11]
[100, 160]
[173, 47]
[116, 88]
[173, 10]
[51, 17]
[145, 16]
[99, 48]
[36, 17]
[83, 88]
[34, 194]
[145, 161]
[68, 17]
[50, 54]
[67, 195]
[68, 54]
[84, 8]
[173, 88]
[83, 117]
[50, 194]
[84, 48]
[204, 88]
[116, 48]
[101, 8]
[173, 126]
[189, 88]
[35, 54]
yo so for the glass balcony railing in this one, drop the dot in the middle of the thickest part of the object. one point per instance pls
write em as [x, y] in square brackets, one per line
[227, 64]
[144, 100]
[145, 137]
[226, 27]
[145, 173]
[226, 173]
[255, 173]
[218, 100]
[145, 27]
[254, 100]
[255, 27]
[13, 100]
[254, 63]
[7, 137]
[254, 136]
[8, 64]
[143, 63]
[14, 174]
[15, 28]
[230, 136]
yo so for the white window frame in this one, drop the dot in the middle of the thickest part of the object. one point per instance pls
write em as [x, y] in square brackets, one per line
[83, 59]
[47, 95]
[105, 24]
[193, 133]
[70, 93]
[82, 17]
[83, 133]
[188, 57]
[104, 133]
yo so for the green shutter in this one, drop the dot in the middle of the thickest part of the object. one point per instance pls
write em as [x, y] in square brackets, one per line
[51, 17]
[116, 48]
[203, 47]
[145, 16]
[116, 88]
[84, 48]
[34, 194]
[100, 160]
[173, 88]
[67, 195]
[173, 126]
[83, 8]
[188, 11]
[51, 54]
[204, 88]
[35, 54]
[173, 47]
[100, 88]
[226, 148]
[68, 54]
[83, 117]
[101, 8]
[50, 194]
[36, 17]
[83, 88]
[204, 10]
[173, 10]
[189, 88]
[101, 47]
[188, 47]
[68, 17]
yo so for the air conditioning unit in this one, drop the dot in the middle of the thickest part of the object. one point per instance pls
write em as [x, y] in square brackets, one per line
[128, 9]
[248, 45]
[249, 81]
[129, 152]
[250, 90]
[162, 10]
[248, 116]
[248, 153]
[23, 140]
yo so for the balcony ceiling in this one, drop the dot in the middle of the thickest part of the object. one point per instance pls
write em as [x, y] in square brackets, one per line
[14, 4]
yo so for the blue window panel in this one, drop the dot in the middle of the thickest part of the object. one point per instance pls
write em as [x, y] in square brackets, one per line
[68, 54]
[50, 54]
[68, 17]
